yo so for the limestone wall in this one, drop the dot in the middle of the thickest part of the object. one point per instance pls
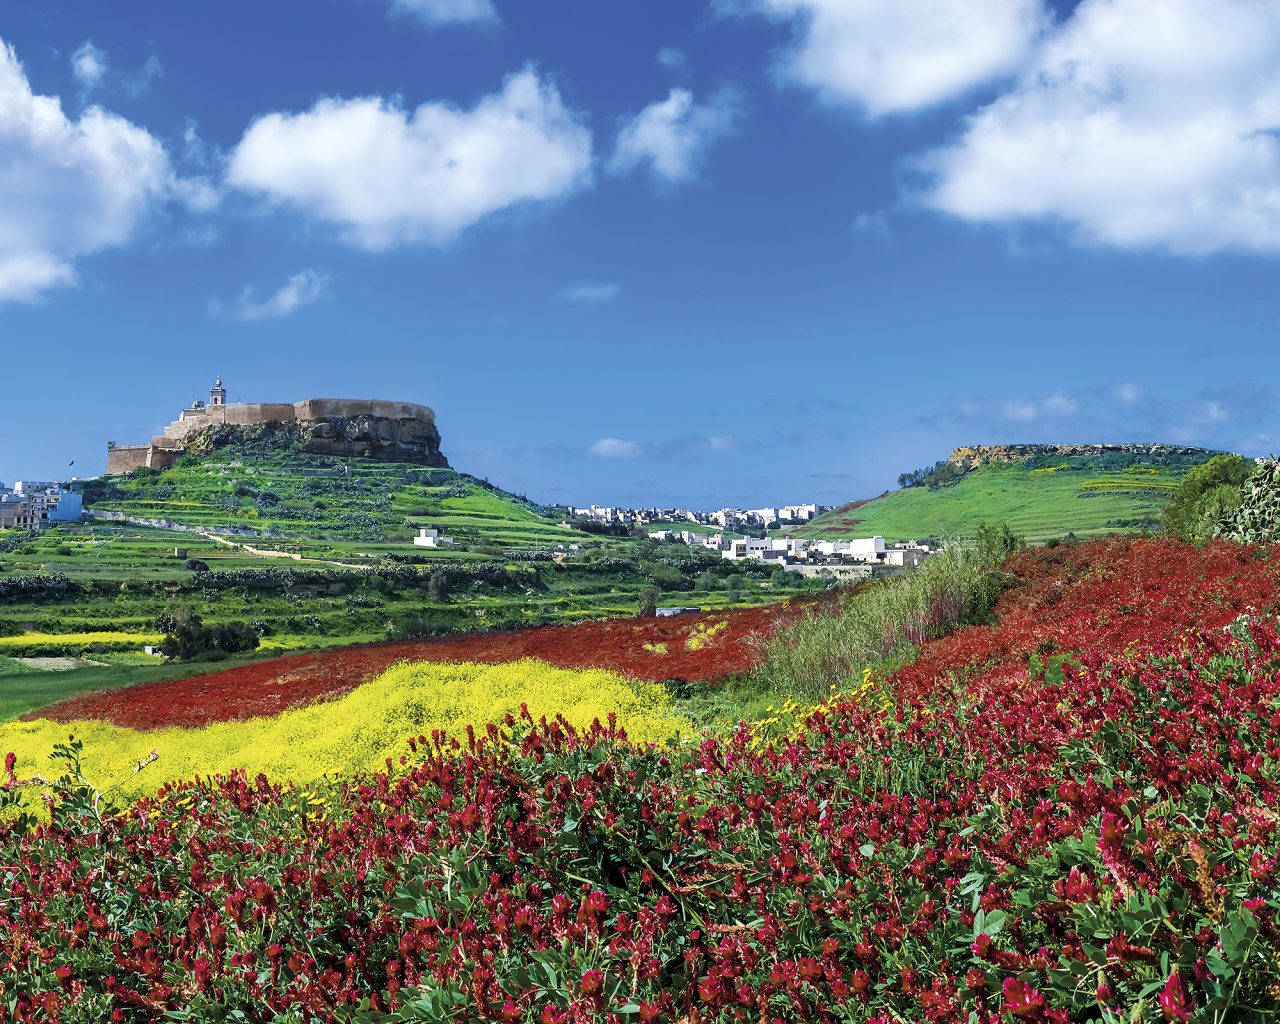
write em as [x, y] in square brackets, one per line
[122, 459]
[354, 427]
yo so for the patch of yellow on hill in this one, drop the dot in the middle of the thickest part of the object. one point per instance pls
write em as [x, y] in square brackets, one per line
[358, 731]
[72, 639]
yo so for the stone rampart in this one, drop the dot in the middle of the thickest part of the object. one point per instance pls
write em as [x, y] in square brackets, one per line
[126, 458]
[350, 427]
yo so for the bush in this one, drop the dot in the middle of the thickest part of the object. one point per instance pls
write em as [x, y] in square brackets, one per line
[1204, 497]
[1256, 518]
[648, 602]
[190, 638]
[889, 620]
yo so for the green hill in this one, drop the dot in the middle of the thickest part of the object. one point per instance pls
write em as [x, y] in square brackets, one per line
[1039, 492]
[324, 506]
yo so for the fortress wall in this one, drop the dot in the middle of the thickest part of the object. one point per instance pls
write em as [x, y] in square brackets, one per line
[249, 415]
[346, 408]
[124, 459]
[366, 428]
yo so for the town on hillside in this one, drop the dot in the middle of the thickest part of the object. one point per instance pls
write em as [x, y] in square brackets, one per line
[793, 553]
[33, 505]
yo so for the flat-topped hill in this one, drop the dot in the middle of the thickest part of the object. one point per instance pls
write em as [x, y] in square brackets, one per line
[362, 428]
[1042, 491]
[1151, 454]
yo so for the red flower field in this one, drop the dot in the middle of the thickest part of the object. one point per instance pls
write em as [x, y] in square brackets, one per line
[269, 687]
[1067, 815]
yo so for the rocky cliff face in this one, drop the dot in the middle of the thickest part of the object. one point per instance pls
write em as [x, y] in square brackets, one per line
[358, 436]
[978, 455]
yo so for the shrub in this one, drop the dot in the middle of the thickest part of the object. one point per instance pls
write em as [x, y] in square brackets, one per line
[190, 638]
[648, 602]
[1256, 519]
[887, 621]
[1204, 497]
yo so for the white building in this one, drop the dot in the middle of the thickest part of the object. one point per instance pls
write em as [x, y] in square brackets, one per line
[33, 505]
[428, 538]
[797, 513]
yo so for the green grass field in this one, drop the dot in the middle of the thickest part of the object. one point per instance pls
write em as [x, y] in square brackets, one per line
[314, 551]
[1039, 502]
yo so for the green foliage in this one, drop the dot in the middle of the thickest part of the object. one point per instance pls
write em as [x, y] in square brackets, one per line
[1204, 497]
[188, 637]
[648, 602]
[1121, 492]
[885, 622]
[1255, 519]
[941, 474]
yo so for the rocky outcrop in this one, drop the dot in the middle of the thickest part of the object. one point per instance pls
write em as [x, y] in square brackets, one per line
[342, 427]
[360, 436]
[979, 455]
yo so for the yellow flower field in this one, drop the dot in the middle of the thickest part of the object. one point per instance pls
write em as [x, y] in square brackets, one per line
[357, 731]
[79, 639]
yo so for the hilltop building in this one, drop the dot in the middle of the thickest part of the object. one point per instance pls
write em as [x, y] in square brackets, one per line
[356, 428]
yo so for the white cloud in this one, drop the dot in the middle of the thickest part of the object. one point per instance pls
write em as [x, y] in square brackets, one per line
[721, 443]
[302, 289]
[386, 176]
[672, 135]
[88, 65]
[583, 291]
[1142, 125]
[673, 59]
[615, 448]
[447, 12]
[895, 56]
[1127, 393]
[67, 188]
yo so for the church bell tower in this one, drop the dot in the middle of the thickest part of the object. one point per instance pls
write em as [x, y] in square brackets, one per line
[218, 394]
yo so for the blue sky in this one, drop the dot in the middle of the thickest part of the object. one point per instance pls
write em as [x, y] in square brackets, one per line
[684, 252]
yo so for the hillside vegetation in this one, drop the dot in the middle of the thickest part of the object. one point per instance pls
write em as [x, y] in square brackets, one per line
[1040, 498]
[330, 506]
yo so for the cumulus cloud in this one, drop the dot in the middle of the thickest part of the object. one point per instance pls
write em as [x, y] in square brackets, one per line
[386, 176]
[302, 289]
[896, 56]
[88, 65]
[586, 292]
[447, 12]
[615, 448]
[1231, 417]
[1140, 126]
[67, 188]
[673, 134]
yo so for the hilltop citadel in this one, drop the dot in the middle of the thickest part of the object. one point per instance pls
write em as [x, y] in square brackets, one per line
[352, 427]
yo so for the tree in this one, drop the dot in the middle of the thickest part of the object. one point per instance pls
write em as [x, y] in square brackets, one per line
[438, 587]
[188, 637]
[648, 602]
[1204, 496]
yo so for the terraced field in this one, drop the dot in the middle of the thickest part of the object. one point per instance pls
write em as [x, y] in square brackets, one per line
[1037, 501]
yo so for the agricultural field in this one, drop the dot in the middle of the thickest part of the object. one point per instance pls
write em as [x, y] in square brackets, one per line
[1039, 499]
[1061, 810]
[315, 552]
